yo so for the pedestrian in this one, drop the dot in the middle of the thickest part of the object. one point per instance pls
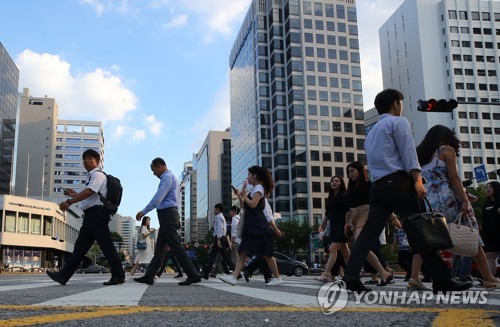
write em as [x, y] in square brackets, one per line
[95, 223]
[235, 240]
[337, 205]
[491, 225]
[166, 202]
[143, 257]
[396, 187]
[404, 254]
[358, 194]
[437, 153]
[220, 244]
[257, 238]
[169, 255]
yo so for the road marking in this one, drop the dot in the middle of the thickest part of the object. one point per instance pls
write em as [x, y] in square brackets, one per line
[25, 286]
[126, 294]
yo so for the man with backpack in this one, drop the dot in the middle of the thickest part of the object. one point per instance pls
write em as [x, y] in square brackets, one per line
[95, 223]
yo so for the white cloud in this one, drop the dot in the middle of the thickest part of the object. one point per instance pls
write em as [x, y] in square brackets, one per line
[177, 21]
[154, 126]
[98, 6]
[138, 135]
[98, 95]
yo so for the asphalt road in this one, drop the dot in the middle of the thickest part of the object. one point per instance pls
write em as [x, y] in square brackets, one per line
[34, 299]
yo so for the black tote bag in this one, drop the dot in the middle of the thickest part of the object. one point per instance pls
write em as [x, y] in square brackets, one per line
[427, 231]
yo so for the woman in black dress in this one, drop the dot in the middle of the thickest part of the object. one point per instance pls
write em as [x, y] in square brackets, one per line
[491, 225]
[337, 205]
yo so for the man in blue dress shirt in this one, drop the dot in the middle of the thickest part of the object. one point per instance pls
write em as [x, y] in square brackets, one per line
[166, 202]
[396, 187]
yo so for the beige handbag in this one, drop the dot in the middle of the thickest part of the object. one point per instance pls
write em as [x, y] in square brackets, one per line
[465, 237]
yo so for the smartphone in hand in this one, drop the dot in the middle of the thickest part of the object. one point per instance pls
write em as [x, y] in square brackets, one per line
[234, 189]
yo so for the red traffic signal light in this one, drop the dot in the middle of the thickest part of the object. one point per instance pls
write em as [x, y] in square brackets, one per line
[432, 105]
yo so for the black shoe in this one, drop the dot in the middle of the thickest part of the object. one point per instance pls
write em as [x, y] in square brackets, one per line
[57, 277]
[354, 284]
[190, 280]
[389, 280]
[450, 286]
[158, 274]
[246, 275]
[145, 280]
[114, 281]
[371, 282]
[179, 275]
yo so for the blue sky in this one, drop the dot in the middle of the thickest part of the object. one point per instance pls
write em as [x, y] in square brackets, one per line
[154, 71]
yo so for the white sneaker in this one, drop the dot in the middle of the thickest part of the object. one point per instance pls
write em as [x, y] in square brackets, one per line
[275, 282]
[230, 279]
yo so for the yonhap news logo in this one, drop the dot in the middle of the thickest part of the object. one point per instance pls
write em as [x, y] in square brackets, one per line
[333, 297]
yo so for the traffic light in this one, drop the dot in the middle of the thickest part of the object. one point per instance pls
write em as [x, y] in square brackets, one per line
[432, 105]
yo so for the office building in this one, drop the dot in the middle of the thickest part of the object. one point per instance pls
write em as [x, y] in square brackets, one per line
[446, 49]
[9, 84]
[125, 226]
[296, 99]
[213, 178]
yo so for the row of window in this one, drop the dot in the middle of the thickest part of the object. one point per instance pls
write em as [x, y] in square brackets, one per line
[468, 58]
[475, 30]
[472, 86]
[328, 10]
[472, 99]
[477, 44]
[25, 225]
[475, 115]
[319, 25]
[324, 111]
[477, 145]
[474, 15]
[479, 160]
[476, 130]
[78, 129]
[345, 83]
[77, 140]
[479, 72]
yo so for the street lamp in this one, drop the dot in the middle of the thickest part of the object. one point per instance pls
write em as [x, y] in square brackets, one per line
[292, 242]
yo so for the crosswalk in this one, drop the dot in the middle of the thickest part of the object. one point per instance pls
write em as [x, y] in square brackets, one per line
[86, 290]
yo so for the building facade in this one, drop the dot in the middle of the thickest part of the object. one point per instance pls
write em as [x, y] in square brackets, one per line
[449, 49]
[125, 226]
[213, 178]
[35, 233]
[9, 85]
[184, 210]
[296, 99]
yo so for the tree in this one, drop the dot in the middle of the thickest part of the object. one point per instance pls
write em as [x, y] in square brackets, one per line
[296, 237]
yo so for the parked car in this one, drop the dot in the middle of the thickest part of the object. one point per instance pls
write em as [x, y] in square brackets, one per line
[289, 266]
[93, 269]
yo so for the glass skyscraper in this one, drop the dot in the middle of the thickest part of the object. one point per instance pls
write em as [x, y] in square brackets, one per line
[296, 99]
[9, 84]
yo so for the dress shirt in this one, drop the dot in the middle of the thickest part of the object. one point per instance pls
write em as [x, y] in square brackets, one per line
[220, 228]
[390, 147]
[234, 228]
[167, 195]
[97, 182]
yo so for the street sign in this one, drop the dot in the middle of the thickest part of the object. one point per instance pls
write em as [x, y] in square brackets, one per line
[480, 173]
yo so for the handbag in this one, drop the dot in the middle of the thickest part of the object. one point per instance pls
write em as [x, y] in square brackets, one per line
[427, 231]
[239, 227]
[141, 245]
[465, 237]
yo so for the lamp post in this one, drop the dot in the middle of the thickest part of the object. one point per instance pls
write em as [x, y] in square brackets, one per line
[292, 242]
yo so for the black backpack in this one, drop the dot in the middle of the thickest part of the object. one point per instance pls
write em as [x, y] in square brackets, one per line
[114, 196]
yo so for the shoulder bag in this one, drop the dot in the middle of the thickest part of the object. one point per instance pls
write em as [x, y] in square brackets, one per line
[141, 245]
[427, 231]
[464, 236]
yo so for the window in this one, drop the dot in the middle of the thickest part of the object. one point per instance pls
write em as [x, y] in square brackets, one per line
[452, 14]
[462, 15]
[475, 15]
[36, 224]
[23, 222]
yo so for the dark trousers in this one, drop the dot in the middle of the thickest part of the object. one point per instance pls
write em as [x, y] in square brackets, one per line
[261, 264]
[393, 193]
[224, 253]
[404, 261]
[94, 228]
[169, 224]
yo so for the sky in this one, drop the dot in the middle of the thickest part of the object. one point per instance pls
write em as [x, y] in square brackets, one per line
[155, 72]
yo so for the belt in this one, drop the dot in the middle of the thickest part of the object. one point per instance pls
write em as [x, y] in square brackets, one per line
[93, 207]
[165, 209]
[390, 177]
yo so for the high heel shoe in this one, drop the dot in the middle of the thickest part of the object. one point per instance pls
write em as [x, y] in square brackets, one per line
[389, 280]
[491, 285]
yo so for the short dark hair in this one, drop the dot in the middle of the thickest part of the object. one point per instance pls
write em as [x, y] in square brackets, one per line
[385, 99]
[92, 153]
[158, 162]
[235, 209]
[219, 206]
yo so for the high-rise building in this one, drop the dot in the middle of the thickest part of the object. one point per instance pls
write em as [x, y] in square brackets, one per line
[184, 210]
[449, 49]
[49, 150]
[125, 226]
[296, 99]
[213, 178]
[9, 84]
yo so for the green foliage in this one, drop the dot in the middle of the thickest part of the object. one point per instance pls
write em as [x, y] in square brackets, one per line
[116, 237]
[299, 233]
[480, 192]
